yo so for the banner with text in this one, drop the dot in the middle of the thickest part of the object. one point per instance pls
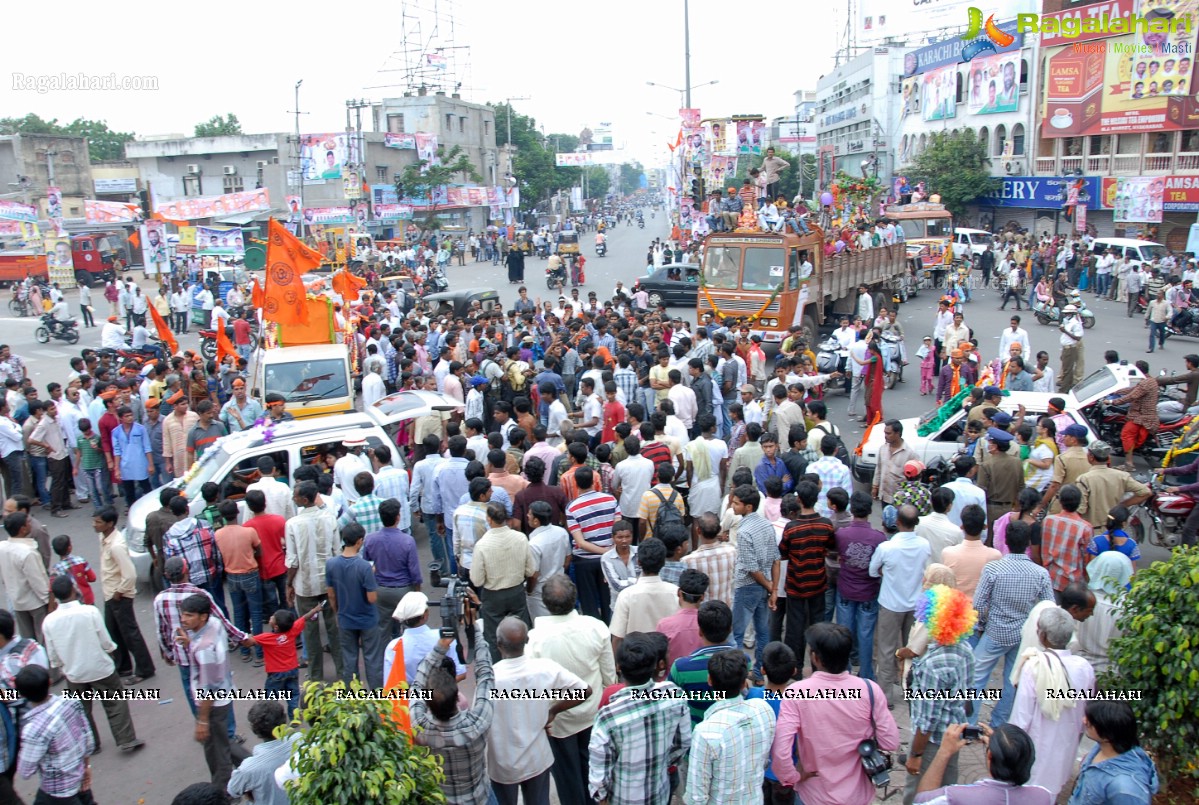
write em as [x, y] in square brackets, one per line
[328, 215]
[219, 242]
[393, 212]
[572, 159]
[13, 211]
[110, 212]
[405, 141]
[1139, 199]
[323, 155]
[186, 209]
[994, 84]
[750, 134]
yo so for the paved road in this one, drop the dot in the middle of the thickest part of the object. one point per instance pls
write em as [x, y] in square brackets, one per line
[171, 759]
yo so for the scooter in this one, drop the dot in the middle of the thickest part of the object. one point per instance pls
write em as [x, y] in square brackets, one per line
[543, 251]
[54, 328]
[892, 360]
[601, 249]
[1050, 314]
[641, 223]
[828, 356]
[1189, 328]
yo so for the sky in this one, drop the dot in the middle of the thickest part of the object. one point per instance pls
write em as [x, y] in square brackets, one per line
[578, 64]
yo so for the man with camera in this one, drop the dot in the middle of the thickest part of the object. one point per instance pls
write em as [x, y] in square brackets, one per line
[840, 739]
[1010, 756]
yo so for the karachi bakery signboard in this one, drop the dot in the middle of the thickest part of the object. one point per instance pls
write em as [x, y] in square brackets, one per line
[1118, 67]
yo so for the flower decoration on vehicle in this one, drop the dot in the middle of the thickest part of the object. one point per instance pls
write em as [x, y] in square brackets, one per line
[722, 315]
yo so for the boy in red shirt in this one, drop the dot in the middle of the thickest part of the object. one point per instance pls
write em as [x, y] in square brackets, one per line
[76, 567]
[279, 650]
[614, 414]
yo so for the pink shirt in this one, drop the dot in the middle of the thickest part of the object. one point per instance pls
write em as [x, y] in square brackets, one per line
[682, 632]
[828, 732]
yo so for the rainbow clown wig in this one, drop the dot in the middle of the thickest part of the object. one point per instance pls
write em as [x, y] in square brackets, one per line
[947, 614]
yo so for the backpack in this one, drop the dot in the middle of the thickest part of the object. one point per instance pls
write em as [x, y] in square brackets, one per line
[841, 454]
[667, 513]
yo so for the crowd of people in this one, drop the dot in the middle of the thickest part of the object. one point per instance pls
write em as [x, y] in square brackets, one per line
[649, 517]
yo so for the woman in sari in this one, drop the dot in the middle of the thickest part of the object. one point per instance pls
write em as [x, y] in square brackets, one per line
[874, 380]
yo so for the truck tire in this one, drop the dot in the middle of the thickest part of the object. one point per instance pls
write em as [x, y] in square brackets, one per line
[83, 278]
[810, 332]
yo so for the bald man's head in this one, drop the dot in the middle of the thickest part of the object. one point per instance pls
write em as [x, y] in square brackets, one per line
[511, 636]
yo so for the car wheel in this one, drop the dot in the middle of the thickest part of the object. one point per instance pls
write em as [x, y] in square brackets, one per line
[810, 332]
[655, 299]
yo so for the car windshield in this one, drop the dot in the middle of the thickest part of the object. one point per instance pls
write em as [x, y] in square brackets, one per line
[1099, 383]
[308, 380]
[981, 239]
[212, 460]
[1152, 251]
[722, 266]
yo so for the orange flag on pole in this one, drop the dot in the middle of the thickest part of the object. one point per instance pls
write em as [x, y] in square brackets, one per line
[164, 332]
[397, 679]
[347, 285]
[257, 296]
[223, 345]
[287, 259]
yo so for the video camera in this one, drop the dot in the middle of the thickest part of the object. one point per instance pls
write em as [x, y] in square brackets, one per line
[456, 607]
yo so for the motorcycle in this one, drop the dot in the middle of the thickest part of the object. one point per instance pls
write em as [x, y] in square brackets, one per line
[1158, 521]
[1189, 328]
[641, 223]
[543, 250]
[555, 278]
[828, 356]
[1109, 422]
[435, 281]
[601, 249]
[19, 305]
[1051, 314]
[892, 360]
[54, 328]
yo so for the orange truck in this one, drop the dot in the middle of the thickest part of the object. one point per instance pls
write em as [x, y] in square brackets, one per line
[93, 255]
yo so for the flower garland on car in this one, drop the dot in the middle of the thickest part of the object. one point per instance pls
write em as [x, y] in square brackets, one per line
[265, 424]
[951, 407]
[721, 315]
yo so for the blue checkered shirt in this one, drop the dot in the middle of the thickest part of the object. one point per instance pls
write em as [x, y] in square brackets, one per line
[56, 741]
[941, 668]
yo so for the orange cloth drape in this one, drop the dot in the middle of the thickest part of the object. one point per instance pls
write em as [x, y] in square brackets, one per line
[287, 259]
[398, 680]
[347, 285]
[164, 332]
[224, 346]
[257, 295]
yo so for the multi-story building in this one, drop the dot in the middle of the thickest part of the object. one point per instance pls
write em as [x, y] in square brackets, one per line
[857, 114]
[34, 162]
[797, 133]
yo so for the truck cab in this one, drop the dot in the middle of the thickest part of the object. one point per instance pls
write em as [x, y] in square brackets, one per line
[94, 255]
[927, 231]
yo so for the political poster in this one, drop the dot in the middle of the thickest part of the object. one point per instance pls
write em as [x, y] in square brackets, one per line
[19, 229]
[938, 99]
[393, 212]
[404, 141]
[426, 148]
[110, 212]
[155, 254]
[58, 261]
[14, 211]
[749, 136]
[911, 96]
[294, 205]
[573, 159]
[219, 242]
[993, 84]
[188, 209]
[1139, 199]
[323, 155]
[328, 215]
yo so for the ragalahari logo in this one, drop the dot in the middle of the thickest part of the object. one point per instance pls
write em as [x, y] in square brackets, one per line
[983, 38]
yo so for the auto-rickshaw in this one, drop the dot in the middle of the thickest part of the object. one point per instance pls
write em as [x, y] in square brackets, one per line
[568, 244]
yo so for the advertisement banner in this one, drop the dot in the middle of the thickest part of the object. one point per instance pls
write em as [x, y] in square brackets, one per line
[1142, 81]
[20, 229]
[911, 96]
[187, 240]
[154, 244]
[108, 187]
[393, 212]
[717, 136]
[993, 84]
[938, 100]
[187, 209]
[1080, 218]
[877, 20]
[719, 169]
[1139, 199]
[749, 136]
[12, 211]
[949, 51]
[328, 215]
[110, 212]
[59, 263]
[219, 242]
[568, 160]
[54, 209]
[293, 208]
[361, 214]
[322, 155]
[1043, 192]
[405, 141]
[426, 148]
[351, 184]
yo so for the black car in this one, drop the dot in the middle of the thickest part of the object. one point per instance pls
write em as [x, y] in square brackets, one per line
[675, 285]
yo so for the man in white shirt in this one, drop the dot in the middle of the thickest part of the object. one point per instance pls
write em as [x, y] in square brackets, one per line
[632, 479]
[964, 490]
[558, 415]
[591, 417]
[936, 528]
[649, 600]
[900, 562]
[845, 339]
[1045, 382]
[180, 306]
[373, 387]
[78, 643]
[348, 466]
[519, 756]
[273, 488]
[112, 334]
[685, 406]
[582, 645]
[1014, 335]
[1073, 356]
[207, 303]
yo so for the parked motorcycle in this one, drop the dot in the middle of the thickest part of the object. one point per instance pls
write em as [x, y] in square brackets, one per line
[1109, 422]
[53, 328]
[828, 356]
[601, 249]
[1050, 314]
[1158, 521]
[892, 360]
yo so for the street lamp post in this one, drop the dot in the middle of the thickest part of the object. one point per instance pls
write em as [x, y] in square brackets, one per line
[508, 103]
[685, 93]
[687, 50]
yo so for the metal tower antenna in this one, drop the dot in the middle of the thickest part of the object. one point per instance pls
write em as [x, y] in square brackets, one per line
[428, 57]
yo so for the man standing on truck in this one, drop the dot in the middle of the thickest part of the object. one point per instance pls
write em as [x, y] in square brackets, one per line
[772, 166]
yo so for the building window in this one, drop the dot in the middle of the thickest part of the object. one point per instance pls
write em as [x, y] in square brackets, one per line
[959, 88]
[1162, 143]
[449, 123]
[1000, 138]
[234, 184]
[486, 128]
[461, 125]
[381, 173]
[1018, 140]
[191, 185]
[395, 124]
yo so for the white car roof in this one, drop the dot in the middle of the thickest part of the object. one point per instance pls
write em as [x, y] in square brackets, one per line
[1125, 242]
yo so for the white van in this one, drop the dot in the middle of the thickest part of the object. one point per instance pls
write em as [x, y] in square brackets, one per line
[232, 461]
[1137, 251]
[971, 241]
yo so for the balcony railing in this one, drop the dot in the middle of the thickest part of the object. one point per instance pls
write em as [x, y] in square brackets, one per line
[1098, 163]
[1126, 164]
[1047, 165]
[1071, 164]
[1118, 164]
[1186, 162]
[1158, 163]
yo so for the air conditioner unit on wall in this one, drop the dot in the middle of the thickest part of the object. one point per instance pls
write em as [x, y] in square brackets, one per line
[193, 169]
[1014, 167]
[261, 164]
[229, 170]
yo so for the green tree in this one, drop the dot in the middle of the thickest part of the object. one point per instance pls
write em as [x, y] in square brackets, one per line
[533, 163]
[1157, 654]
[419, 179]
[954, 165]
[630, 177]
[353, 752]
[103, 144]
[598, 182]
[219, 125]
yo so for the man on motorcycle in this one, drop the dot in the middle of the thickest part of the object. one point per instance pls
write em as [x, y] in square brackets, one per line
[58, 315]
[1061, 289]
[1182, 297]
[112, 334]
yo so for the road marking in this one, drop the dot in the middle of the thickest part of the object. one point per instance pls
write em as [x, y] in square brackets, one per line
[26, 319]
[49, 353]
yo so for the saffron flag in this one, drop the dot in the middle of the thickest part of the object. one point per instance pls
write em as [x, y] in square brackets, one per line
[257, 296]
[347, 285]
[224, 346]
[397, 679]
[286, 261]
[164, 332]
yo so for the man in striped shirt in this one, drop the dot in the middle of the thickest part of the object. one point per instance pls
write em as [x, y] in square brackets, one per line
[757, 571]
[806, 541]
[589, 520]
[714, 558]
